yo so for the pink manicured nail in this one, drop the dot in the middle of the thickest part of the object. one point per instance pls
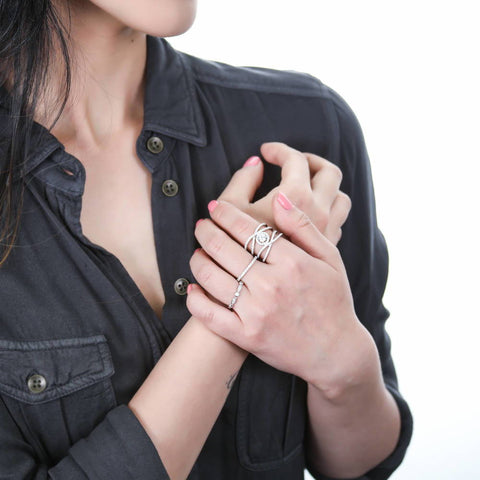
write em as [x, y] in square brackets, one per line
[212, 205]
[196, 250]
[198, 221]
[189, 288]
[255, 160]
[284, 201]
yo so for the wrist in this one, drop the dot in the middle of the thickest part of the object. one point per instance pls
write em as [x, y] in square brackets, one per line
[356, 366]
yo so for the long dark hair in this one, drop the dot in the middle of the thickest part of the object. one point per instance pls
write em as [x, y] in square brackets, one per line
[31, 34]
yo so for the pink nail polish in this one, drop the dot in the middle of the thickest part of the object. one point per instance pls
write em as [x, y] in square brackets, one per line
[198, 221]
[196, 250]
[212, 205]
[255, 160]
[189, 288]
[284, 201]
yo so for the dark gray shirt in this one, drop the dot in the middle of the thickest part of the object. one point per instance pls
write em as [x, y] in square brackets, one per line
[78, 338]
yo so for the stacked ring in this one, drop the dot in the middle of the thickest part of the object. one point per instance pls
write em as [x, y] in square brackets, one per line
[261, 237]
[236, 295]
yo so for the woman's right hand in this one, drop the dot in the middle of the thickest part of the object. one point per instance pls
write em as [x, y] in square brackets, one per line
[310, 181]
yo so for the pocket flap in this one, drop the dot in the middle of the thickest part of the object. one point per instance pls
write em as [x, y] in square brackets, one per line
[66, 364]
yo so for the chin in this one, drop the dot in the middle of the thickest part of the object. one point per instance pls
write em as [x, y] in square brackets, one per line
[160, 18]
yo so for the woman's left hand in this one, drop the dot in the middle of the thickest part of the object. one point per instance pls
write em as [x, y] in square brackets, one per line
[295, 311]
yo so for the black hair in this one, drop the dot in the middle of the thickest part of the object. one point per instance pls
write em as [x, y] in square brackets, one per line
[31, 34]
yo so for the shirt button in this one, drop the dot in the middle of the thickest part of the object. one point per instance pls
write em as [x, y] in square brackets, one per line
[181, 285]
[170, 188]
[37, 383]
[155, 144]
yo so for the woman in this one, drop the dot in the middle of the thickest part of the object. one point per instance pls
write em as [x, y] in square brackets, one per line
[115, 362]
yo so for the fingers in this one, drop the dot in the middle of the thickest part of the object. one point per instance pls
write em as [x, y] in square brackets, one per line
[326, 182]
[295, 169]
[338, 215]
[302, 232]
[240, 226]
[226, 251]
[216, 281]
[315, 162]
[220, 320]
[244, 183]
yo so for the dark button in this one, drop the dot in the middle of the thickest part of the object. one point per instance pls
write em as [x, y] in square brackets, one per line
[170, 188]
[155, 144]
[181, 285]
[37, 383]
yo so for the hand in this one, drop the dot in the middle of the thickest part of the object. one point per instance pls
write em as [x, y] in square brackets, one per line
[311, 182]
[296, 311]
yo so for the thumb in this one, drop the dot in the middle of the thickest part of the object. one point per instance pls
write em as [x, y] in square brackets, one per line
[244, 183]
[300, 230]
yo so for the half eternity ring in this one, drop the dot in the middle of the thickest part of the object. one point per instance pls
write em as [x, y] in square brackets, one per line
[236, 295]
[262, 237]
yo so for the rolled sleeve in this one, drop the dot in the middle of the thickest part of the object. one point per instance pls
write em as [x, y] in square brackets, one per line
[365, 255]
[118, 447]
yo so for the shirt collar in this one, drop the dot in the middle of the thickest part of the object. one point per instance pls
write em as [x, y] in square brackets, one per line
[171, 100]
[171, 103]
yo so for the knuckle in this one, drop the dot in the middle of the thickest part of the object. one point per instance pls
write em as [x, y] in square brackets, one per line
[272, 295]
[339, 235]
[208, 316]
[242, 227]
[322, 218]
[336, 171]
[346, 199]
[204, 273]
[216, 243]
[293, 266]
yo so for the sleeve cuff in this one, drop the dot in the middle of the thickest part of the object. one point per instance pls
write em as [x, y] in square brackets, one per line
[384, 470]
[119, 447]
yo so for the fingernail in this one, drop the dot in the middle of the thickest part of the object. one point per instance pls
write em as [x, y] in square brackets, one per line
[189, 287]
[198, 221]
[212, 205]
[196, 250]
[284, 201]
[255, 160]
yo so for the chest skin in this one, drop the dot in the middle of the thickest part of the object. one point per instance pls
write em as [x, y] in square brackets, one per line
[116, 210]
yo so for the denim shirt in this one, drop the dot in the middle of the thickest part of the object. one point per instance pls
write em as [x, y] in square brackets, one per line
[78, 338]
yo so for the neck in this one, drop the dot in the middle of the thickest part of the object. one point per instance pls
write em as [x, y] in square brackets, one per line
[108, 75]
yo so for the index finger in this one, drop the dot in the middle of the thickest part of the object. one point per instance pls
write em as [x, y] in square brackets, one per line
[294, 164]
[240, 227]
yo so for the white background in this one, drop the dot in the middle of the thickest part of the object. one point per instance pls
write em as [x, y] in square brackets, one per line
[410, 72]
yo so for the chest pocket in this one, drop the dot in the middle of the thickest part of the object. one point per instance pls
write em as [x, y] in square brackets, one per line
[56, 390]
[272, 415]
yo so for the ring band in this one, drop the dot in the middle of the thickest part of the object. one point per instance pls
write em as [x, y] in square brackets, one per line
[247, 268]
[236, 295]
[261, 237]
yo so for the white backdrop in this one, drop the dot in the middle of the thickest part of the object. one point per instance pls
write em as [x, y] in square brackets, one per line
[410, 72]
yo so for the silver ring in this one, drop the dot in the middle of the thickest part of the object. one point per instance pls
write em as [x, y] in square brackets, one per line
[261, 237]
[247, 268]
[236, 295]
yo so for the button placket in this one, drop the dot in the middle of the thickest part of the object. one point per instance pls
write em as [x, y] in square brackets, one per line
[168, 216]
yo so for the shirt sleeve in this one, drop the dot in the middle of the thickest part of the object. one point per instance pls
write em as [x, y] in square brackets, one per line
[365, 255]
[118, 448]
